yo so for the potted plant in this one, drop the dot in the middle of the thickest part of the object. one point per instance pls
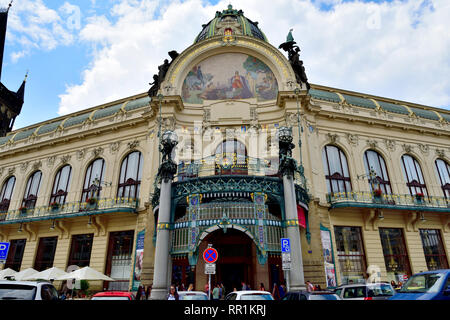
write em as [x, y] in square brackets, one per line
[23, 210]
[84, 286]
[92, 202]
[55, 206]
[419, 197]
[377, 193]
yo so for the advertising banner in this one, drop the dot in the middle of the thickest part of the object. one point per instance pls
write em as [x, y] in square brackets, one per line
[330, 272]
[138, 259]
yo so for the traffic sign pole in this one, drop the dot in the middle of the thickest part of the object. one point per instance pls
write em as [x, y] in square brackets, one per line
[210, 255]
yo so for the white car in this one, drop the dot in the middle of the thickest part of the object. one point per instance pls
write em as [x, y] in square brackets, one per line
[192, 295]
[249, 295]
[27, 290]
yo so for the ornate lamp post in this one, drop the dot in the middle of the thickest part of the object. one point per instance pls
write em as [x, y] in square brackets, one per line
[166, 172]
[295, 276]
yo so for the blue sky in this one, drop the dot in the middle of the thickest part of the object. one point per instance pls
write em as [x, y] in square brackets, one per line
[87, 52]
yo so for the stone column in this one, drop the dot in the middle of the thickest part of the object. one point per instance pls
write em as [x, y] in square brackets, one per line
[296, 279]
[167, 170]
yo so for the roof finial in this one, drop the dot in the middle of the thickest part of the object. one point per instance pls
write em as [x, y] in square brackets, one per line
[26, 76]
[10, 4]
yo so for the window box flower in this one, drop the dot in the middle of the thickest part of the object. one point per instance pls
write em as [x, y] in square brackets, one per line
[23, 211]
[55, 206]
[91, 203]
[419, 197]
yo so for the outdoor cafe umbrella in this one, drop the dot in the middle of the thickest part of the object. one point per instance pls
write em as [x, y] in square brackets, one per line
[24, 273]
[49, 274]
[86, 273]
[8, 272]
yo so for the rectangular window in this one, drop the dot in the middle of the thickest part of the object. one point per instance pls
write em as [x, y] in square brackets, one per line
[15, 254]
[350, 251]
[80, 251]
[433, 249]
[118, 263]
[395, 253]
[45, 253]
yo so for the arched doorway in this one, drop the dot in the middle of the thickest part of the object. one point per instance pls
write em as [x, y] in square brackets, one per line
[236, 261]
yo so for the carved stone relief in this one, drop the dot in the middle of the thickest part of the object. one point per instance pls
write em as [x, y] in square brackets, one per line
[390, 144]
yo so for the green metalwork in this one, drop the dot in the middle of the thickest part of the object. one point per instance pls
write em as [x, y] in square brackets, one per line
[70, 209]
[388, 201]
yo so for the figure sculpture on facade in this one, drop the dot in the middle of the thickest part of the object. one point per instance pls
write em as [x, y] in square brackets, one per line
[294, 58]
[162, 70]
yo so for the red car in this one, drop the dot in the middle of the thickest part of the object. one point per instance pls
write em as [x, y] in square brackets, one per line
[113, 295]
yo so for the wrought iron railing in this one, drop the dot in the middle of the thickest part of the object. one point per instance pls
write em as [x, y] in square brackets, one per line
[395, 201]
[70, 208]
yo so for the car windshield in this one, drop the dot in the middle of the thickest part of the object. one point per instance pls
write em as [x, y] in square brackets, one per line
[110, 298]
[423, 283]
[323, 297]
[256, 296]
[17, 292]
[380, 289]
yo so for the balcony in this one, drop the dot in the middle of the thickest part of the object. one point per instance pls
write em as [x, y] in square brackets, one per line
[69, 210]
[388, 201]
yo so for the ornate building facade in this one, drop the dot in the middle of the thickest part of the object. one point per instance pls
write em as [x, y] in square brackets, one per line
[360, 184]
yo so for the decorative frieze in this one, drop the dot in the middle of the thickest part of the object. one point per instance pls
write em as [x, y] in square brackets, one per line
[11, 171]
[424, 148]
[114, 147]
[65, 159]
[97, 152]
[390, 144]
[372, 144]
[24, 166]
[81, 154]
[440, 153]
[333, 138]
[133, 145]
[352, 139]
[407, 148]
[37, 165]
[51, 161]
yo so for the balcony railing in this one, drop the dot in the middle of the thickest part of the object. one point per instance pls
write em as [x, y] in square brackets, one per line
[69, 209]
[389, 201]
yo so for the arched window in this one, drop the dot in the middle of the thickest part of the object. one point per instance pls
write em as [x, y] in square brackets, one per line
[374, 161]
[6, 193]
[413, 175]
[130, 176]
[32, 190]
[92, 179]
[443, 169]
[231, 158]
[336, 170]
[61, 185]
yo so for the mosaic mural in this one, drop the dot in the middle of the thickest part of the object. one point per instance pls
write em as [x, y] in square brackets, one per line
[229, 76]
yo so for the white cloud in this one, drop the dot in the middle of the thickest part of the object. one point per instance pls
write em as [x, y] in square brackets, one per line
[396, 49]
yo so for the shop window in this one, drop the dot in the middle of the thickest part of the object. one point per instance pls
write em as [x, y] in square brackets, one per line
[130, 176]
[433, 249]
[15, 254]
[92, 180]
[350, 254]
[80, 251]
[413, 175]
[336, 170]
[32, 190]
[45, 253]
[375, 164]
[443, 169]
[119, 257]
[61, 185]
[395, 254]
[6, 194]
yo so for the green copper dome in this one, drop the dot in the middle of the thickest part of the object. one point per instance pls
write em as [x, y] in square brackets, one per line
[230, 22]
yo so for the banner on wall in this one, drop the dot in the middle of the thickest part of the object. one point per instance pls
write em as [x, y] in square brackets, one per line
[138, 260]
[330, 272]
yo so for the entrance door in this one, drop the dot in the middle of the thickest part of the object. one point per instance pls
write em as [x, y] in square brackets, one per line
[235, 263]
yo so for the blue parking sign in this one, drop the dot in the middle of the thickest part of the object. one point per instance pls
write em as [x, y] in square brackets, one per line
[4, 247]
[285, 245]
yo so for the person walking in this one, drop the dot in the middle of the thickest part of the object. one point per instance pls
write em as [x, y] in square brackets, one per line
[276, 292]
[261, 287]
[139, 293]
[148, 291]
[282, 290]
[309, 286]
[173, 294]
[216, 292]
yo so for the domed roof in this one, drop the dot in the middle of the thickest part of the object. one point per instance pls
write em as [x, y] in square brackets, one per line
[231, 22]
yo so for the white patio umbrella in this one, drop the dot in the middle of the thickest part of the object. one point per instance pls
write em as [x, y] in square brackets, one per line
[24, 273]
[6, 273]
[86, 273]
[49, 274]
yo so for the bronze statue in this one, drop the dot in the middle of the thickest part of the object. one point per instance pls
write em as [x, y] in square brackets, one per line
[162, 70]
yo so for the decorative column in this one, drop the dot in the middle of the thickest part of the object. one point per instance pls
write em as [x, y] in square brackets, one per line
[296, 279]
[166, 172]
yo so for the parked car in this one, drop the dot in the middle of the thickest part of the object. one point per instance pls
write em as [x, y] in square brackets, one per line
[430, 285]
[249, 295]
[365, 291]
[27, 290]
[192, 295]
[315, 295]
[113, 295]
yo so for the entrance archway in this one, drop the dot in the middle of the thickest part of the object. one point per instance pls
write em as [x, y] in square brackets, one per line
[237, 257]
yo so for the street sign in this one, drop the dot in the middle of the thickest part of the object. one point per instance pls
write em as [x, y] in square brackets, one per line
[210, 268]
[4, 247]
[286, 257]
[285, 245]
[286, 266]
[210, 255]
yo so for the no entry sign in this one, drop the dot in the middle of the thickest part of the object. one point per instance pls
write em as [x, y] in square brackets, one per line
[210, 255]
